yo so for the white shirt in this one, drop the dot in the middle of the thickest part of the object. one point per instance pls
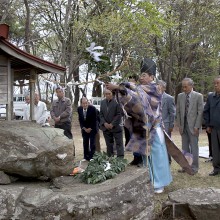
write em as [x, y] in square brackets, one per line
[40, 113]
[26, 110]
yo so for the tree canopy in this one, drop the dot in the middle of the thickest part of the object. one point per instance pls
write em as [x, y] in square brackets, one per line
[180, 35]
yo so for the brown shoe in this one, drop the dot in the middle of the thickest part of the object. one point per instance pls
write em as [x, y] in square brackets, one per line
[181, 171]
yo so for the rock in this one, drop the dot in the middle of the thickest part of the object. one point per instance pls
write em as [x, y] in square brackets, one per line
[4, 179]
[193, 203]
[128, 196]
[29, 150]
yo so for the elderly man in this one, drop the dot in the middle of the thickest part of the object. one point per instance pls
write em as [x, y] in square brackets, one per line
[40, 110]
[189, 111]
[61, 112]
[212, 122]
[110, 120]
[87, 115]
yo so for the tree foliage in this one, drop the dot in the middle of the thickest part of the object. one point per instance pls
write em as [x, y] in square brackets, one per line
[180, 35]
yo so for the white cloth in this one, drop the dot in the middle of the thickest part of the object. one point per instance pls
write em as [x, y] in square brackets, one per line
[26, 111]
[40, 113]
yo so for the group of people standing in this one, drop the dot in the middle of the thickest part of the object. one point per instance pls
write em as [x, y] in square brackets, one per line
[148, 112]
[108, 119]
[150, 107]
[61, 111]
[190, 114]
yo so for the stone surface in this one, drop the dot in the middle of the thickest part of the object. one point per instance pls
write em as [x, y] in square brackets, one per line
[127, 196]
[29, 150]
[4, 179]
[193, 203]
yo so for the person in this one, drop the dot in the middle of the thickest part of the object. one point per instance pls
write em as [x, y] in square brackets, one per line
[132, 79]
[168, 110]
[26, 108]
[40, 110]
[209, 141]
[189, 111]
[87, 116]
[132, 125]
[212, 122]
[61, 112]
[97, 136]
[110, 120]
[143, 102]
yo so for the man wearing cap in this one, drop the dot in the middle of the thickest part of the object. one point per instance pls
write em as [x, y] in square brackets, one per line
[143, 102]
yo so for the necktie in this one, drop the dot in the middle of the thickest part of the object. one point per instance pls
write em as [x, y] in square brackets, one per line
[84, 114]
[187, 105]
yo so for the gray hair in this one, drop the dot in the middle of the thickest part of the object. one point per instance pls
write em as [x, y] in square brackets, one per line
[189, 80]
[162, 83]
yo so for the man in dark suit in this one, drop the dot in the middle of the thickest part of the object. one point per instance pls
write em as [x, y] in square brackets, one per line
[88, 123]
[212, 123]
[110, 119]
[168, 110]
[189, 112]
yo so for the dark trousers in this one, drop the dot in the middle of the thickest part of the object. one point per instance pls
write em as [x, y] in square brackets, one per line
[66, 126]
[88, 144]
[110, 138]
[97, 142]
[127, 135]
[210, 143]
[190, 145]
[215, 136]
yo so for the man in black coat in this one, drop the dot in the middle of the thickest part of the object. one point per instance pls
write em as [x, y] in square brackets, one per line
[88, 122]
[212, 123]
[110, 124]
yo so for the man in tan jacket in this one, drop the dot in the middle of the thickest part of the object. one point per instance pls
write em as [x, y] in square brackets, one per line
[61, 112]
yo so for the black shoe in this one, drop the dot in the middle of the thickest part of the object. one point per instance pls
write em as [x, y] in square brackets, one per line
[214, 173]
[140, 165]
[136, 161]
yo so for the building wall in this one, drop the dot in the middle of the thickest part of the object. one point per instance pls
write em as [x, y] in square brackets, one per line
[3, 80]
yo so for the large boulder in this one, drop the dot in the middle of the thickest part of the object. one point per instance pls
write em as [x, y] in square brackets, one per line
[193, 203]
[29, 150]
[129, 196]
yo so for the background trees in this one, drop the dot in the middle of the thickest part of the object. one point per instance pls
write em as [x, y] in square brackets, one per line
[180, 35]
